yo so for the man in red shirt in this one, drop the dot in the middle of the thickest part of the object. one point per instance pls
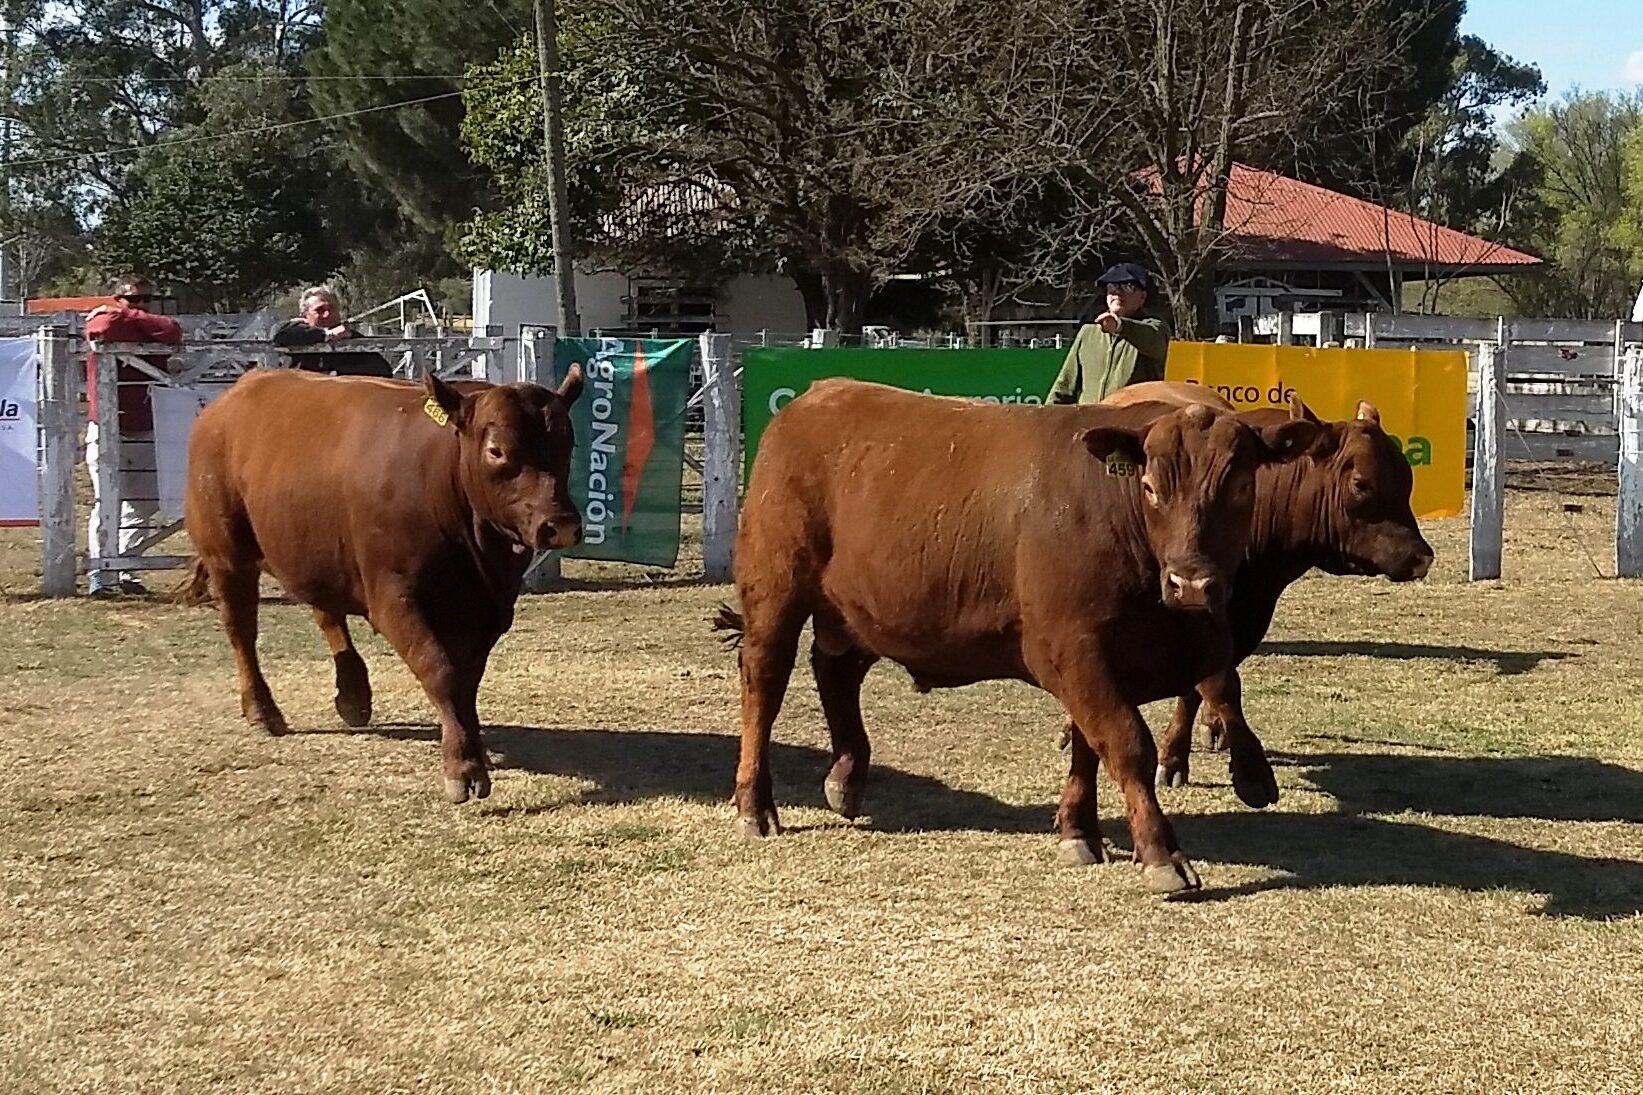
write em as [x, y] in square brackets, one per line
[127, 320]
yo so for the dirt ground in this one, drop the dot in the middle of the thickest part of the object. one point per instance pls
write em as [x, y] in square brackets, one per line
[1446, 898]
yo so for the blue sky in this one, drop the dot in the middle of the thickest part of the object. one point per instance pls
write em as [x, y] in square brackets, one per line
[1597, 44]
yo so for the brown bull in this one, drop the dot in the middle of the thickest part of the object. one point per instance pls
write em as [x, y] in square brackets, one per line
[416, 507]
[1345, 509]
[1082, 549]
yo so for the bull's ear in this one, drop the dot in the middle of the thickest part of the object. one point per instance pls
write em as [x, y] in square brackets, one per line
[1293, 439]
[445, 404]
[1368, 414]
[571, 386]
[1300, 412]
[1115, 441]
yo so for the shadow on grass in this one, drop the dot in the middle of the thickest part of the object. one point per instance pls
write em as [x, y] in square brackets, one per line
[1313, 851]
[1508, 663]
[1318, 851]
[633, 765]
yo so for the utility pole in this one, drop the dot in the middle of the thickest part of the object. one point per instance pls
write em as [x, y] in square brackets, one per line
[553, 133]
[543, 573]
[8, 84]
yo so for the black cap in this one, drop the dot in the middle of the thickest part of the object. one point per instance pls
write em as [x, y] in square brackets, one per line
[1126, 271]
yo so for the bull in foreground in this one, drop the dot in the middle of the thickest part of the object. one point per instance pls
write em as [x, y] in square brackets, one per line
[1087, 550]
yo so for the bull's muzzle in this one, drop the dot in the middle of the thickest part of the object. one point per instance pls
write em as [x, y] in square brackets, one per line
[558, 533]
[1192, 589]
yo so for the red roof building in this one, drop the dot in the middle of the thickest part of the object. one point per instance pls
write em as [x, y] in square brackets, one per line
[1293, 246]
[1277, 222]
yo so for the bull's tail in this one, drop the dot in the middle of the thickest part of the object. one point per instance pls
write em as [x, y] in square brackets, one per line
[195, 587]
[728, 619]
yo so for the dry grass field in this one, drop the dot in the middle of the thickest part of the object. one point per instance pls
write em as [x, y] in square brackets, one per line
[1447, 897]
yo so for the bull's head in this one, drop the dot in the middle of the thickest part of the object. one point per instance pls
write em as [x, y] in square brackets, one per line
[513, 457]
[1196, 468]
[1360, 499]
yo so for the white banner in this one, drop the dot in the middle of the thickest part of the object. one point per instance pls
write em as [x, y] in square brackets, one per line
[19, 437]
[174, 412]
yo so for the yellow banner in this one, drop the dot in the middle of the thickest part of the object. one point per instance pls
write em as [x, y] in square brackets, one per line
[1421, 395]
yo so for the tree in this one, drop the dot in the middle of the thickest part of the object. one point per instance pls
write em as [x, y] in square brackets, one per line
[380, 52]
[826, 138]
[1206, 83]
[1583, 212]
[231, 207]
[88, 84]
[1457, 177]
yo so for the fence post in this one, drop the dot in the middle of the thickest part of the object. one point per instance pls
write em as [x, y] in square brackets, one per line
[57, 459]
[1488, 473]
[1286, 328]
[1628, 548]
[1246, 329]
[543, 573]
[106, 543]
[721, 467]
[1329, 329]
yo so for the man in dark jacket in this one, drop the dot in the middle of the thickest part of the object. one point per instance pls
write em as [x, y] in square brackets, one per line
[322, 323]
[1126, 344]
[130, 410]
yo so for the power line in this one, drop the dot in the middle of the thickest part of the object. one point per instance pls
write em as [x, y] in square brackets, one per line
[129, 149]
[303, 77]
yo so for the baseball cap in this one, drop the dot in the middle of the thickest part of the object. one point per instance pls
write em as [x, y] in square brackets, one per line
[1126, 271]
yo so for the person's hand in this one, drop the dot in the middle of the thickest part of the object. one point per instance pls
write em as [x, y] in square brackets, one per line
[1108, 322]
[102, 308]
[338, 332]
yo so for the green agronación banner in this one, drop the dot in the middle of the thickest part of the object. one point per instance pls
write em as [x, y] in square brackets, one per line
[629, 456]
[771, 377]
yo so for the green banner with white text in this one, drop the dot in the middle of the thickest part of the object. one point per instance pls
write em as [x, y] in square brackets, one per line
[627, 467]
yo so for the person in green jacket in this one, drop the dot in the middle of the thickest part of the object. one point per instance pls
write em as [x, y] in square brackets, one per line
[1126, 344]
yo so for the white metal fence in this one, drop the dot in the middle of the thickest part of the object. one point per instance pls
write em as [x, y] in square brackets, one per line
[717, 395]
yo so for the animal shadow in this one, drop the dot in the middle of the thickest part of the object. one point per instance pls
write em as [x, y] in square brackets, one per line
[636, 765]
[1508, 663]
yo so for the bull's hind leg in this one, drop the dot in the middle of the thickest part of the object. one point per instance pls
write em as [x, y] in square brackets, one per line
[839, 674]
[237, 606]
[353, 681]
[770, 643]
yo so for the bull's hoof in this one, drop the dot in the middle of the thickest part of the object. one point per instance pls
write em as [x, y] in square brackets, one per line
[271, 723]
[755, 826]
[1253, 779]
[355, 711]
[1176, 876]
[1080, 853]
[1172, 773]
[843, 798]
[475, 784]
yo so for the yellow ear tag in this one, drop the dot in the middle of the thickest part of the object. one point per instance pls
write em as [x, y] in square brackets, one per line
[1117, 465]
[434, 411]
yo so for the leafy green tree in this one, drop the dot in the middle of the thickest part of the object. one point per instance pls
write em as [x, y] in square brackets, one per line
[1583, 212]
[381, 52]
[234, 206]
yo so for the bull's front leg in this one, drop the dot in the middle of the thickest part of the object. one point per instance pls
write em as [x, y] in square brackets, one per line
[1114, 731]
[1076, 825]
[450, 678]
[1247, 762]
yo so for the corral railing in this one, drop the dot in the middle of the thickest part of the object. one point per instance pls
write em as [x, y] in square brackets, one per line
[145, 521]
[716, 396]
